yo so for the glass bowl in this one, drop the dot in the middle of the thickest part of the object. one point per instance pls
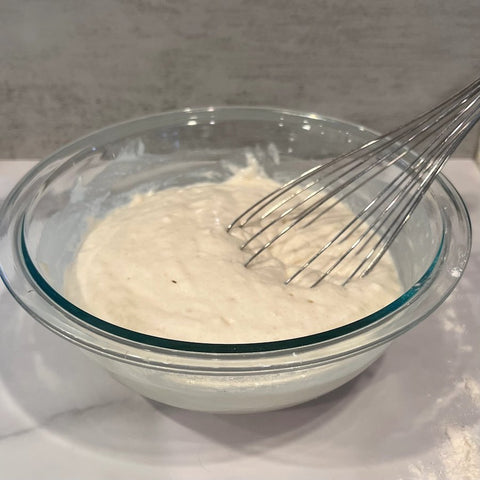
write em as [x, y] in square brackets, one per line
[48, 212]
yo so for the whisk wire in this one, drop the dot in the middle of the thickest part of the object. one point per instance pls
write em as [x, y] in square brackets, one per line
[385, 241]
[305, 199]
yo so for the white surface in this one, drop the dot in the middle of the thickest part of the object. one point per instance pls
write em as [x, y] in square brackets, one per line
[415, 414]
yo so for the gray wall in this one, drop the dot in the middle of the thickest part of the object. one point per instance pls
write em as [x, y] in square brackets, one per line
[72, 66]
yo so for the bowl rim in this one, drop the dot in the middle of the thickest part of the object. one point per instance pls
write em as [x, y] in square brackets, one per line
[117, 333]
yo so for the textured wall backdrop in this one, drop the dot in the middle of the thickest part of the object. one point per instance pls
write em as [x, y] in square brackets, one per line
[69, 66]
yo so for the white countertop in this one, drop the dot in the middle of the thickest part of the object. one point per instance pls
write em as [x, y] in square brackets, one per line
[415, 414]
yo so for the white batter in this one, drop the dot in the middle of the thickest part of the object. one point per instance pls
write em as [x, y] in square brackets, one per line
[164, 265]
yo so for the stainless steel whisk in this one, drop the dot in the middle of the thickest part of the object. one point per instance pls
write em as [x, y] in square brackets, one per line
[300, 202]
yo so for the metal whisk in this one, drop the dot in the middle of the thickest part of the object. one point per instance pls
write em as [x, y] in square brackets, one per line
[300, 202]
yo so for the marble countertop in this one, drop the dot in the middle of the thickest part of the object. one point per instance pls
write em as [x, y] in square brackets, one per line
[414, 414]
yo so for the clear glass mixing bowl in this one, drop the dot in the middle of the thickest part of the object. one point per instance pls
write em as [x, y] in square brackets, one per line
[48, 212]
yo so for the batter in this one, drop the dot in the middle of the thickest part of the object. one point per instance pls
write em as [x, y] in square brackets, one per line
[164, 265]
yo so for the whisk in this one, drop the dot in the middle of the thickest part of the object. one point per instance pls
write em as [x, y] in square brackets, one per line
[304, 200]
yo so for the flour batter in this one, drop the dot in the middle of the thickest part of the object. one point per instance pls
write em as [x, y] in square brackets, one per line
[164, 265]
